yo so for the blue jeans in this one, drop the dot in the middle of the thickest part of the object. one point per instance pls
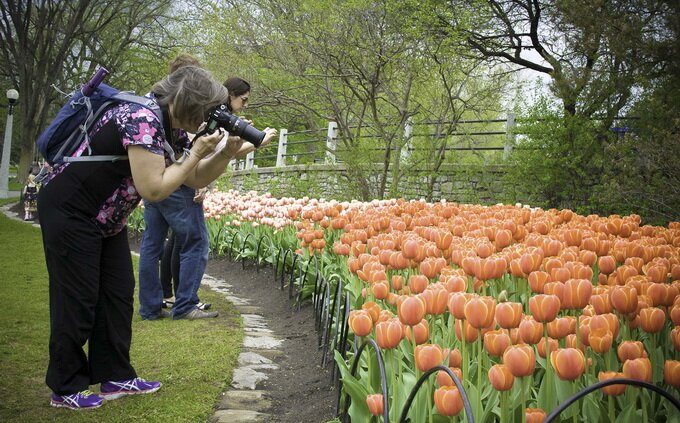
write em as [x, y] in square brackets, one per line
[185, 217]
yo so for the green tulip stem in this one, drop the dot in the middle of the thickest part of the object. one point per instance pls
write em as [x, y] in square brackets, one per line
[480, 363]
[524, 399]
[417, 402]
[548, 370]
[430, 414]
[575, 390]
[610, 408]
[504, 405]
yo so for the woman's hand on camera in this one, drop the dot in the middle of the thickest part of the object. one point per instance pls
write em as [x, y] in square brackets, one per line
[206, 144]
[270, 134]
[233, 146]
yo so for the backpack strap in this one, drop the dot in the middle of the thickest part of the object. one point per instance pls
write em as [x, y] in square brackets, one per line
[122, 96]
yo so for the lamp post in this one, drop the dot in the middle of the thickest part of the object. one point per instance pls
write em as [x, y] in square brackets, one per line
[12, 96]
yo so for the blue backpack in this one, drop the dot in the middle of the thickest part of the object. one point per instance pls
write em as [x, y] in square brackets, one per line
[65, 134]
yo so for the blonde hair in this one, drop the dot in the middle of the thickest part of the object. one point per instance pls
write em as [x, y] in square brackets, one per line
[193, 92]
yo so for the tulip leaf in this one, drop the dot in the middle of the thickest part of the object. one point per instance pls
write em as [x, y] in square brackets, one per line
[564, 390]
[593, 408]
[358, 409]
[491, 404]
[628, 414]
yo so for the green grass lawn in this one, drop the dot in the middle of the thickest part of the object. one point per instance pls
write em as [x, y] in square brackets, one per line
[193, 359]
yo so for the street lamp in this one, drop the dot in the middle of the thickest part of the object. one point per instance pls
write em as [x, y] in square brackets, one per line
[12, 96]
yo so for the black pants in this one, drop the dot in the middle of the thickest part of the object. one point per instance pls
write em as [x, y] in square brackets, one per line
[170, 266]
[91, 300]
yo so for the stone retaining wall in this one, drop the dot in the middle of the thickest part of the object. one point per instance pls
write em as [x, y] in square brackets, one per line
[460, 183]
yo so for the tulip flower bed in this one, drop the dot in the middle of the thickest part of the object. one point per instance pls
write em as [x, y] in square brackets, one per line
[525, 306]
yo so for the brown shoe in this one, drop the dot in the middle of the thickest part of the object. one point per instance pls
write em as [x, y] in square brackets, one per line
[200, 314]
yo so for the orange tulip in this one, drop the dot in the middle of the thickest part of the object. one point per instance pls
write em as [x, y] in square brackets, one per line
[448, 401]
[409, 248]
[630, 350]
[360, 322]
[606, 264]
[674, 314]
[638, 368]
[554, 288]
[455, 358]
[534, 415]
[560, 327]
[553, 344]
[652, 319]
[500, 377]
[435, 300]
[544, 308]
[465, 331]
[607, 321]
[569, 363]
[613, 390]
[443, 378]
[480, 311]
[530, 331]
[380, 290]
[389, 334]
[418, 283]
[421, 332]
[428, 268]
[508, 315]
[601, 303]
[675, 337]
[495, 342]
[577, 293]
[397, 282]
[376, 404]
[428, 356]
[600, 340]
[537, 281]
[373, 310]
[520, 359]
[456, 304]
[624, 299]
[411, 310]
[456, 284]
[671, 373]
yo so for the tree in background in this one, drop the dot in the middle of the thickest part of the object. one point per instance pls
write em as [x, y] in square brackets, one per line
[600, 56]
[362, 64]
[54, 43]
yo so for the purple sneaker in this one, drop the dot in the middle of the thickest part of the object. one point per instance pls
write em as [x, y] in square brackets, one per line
[83, 400]
[113, 390]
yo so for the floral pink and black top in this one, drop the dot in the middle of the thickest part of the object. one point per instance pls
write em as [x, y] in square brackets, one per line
[105, 190]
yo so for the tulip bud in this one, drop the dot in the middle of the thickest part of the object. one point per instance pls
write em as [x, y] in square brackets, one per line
[630, 350]
[443, 378]
[638, 368]
[500, 377]
[495, 342]
[448, 401]
[613, 390]
[376, 404]
[360, 322]
[508, 315]
[544, 308]
[480, 311]
[389, 334]
[411, 310]
[428, 356]
[534, 415]
[520, 359]
[671, 373]
[569, 363]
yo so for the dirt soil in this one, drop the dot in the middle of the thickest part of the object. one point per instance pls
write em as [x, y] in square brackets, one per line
[300, 390]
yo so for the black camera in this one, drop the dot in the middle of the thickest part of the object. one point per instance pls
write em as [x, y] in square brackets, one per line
[221, 117]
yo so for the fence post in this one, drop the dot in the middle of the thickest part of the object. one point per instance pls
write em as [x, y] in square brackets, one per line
[250, 160]
[509, 135]
[408, 132]
[331, 141]
[281, 152]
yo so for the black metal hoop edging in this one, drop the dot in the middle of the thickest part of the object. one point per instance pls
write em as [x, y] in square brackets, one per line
[322, 290]
[620, 381]
[343, 349]
[243, 247]
[304, 279]
[231, 245]
[257, 253]
[459, 385]
[293, 268]
[334, 314]
[383, 377]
